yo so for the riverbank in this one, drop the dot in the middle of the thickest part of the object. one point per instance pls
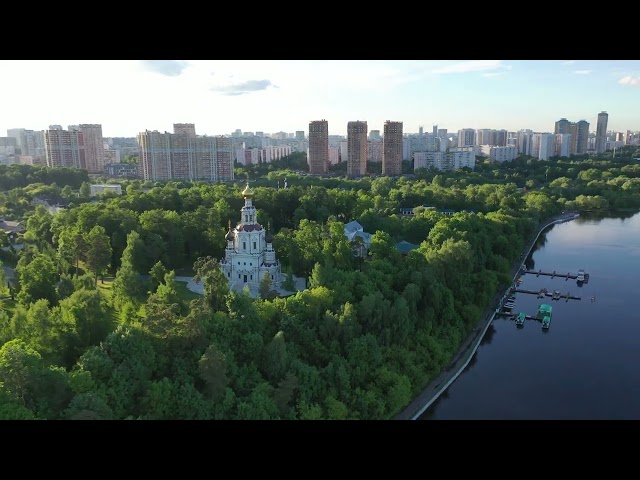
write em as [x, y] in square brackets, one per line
[469, 346]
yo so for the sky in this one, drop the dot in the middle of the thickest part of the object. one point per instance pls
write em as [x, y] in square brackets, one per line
[220, 96]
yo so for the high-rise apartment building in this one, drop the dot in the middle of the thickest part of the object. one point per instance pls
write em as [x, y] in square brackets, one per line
[318, 147]
[579, 137]
[563, 145]
[525, 142]
[28, 141]
[8, 142]
[421, 143]
[375, 151]
[357, 148]
[466, 137]
[375, 135]
[601, 132]
[485, 136]
[445, 161]
[188, 129]
[579, 132]
[500, 138]
[64, 148]
[543, 145]
[167, 156]
[93, 146]
[300, 136]
[499, 154]
[392, 149]
[562, 126]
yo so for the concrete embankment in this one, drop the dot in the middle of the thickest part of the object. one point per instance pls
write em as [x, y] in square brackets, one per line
[469, 347]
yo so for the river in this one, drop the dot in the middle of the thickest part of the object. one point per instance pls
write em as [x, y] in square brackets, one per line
[583, 367]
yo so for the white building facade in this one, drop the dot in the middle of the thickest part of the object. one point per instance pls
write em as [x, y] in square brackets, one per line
[499, 154]
[334, 154]
[249, 254]
[543, 145]
[563, 145]
[253, 156]
[466, 137]
[452, 160]
[525, 142]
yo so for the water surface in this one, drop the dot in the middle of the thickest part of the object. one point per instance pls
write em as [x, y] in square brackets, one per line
[587, 365]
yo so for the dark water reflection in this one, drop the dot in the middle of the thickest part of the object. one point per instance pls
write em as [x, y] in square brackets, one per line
[585, 365]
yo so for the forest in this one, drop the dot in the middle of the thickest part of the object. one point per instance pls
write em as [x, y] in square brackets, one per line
[94, 324]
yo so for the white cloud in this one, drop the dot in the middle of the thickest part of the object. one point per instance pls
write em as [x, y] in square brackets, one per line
[298, 76]
[492, 74]
[242, 88]
[472, 66]
[169, 68]
[582, 72]
[569, 62]
[630, 81]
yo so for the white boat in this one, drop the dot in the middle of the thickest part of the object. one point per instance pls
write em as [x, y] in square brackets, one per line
[580, 277]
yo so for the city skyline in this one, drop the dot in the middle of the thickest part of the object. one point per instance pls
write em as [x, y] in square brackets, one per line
[127, 97]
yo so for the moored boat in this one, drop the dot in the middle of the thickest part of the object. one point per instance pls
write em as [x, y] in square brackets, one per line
[544, 314]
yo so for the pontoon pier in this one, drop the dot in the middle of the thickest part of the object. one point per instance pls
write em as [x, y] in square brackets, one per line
[566, 276]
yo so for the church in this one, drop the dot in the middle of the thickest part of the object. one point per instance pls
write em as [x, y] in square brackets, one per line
[249, 254]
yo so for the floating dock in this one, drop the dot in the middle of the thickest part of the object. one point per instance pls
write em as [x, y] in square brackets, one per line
[514, 316]
[543, 316]
[556, 295]
[566, 276]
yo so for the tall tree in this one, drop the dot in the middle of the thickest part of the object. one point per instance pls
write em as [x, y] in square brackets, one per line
[4, 287]
[39, 226]
[71, 246]
[167, 292]
[212, 368]
[85, 313]
[285, 392]
[85, 190]
[289, 283]
[67, 191]
[216, 286]
[128, 285]
[19, 365]
[265, 286]
[98, 251]
[275, 357]
[37, 280]
[157, 274]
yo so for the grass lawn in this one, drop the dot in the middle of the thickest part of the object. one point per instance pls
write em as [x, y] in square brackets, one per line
[184, 272]
[186, 294]
[106, 288]
[8, 306]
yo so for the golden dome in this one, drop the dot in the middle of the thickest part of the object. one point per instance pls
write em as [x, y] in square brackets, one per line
[247, 192]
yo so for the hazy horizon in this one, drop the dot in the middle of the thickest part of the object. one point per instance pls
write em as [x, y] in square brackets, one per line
[219, 96]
